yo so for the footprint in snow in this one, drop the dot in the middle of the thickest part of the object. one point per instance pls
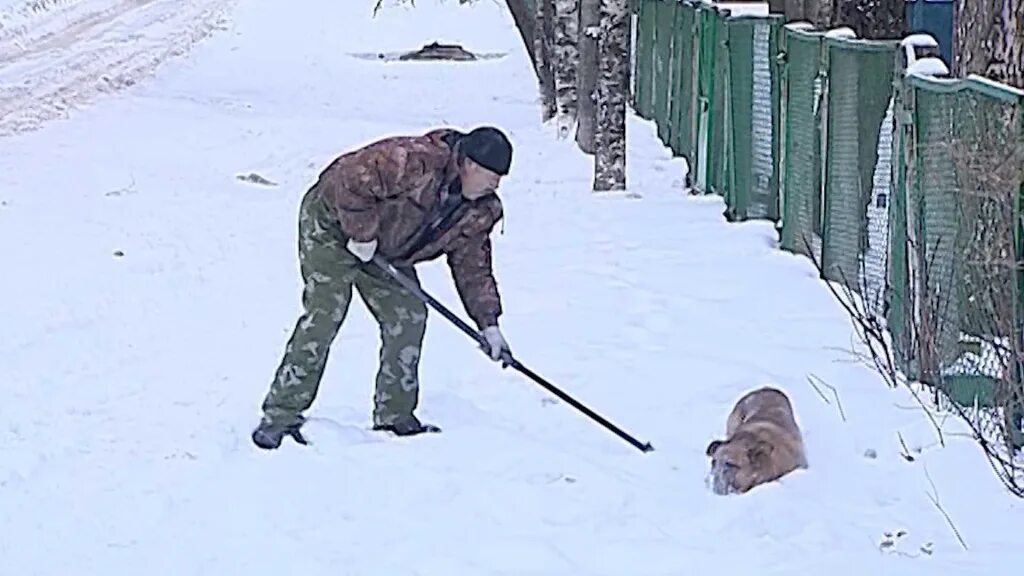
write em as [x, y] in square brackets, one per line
[321, 431]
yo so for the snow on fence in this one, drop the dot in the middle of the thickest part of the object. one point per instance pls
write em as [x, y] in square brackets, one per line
[902, 184]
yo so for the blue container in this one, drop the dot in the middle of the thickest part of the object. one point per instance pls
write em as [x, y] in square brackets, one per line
[933, 17]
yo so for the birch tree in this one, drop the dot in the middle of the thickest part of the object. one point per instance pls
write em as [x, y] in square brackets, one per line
[586, 73]
[567, 14]
[988, 40]
[612, 93]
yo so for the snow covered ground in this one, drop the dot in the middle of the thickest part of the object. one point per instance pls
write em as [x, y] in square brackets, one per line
[59, 53]
[148, 292]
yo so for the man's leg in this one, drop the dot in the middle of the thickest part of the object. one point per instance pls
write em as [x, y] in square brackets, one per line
[328, 270]
[402, 318]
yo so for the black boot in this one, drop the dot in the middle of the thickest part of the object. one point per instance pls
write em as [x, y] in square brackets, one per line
[268, 437]
[407, 426]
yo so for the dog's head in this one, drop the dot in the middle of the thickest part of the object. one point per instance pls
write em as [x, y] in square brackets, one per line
[738, 464]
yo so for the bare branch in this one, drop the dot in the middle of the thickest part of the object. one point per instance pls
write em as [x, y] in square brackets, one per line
[984, 269]
[934, 497]
[835, 393]
[906, 451]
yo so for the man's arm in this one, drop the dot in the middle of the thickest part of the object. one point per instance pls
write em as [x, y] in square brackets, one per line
[470, 264]
[364, 178]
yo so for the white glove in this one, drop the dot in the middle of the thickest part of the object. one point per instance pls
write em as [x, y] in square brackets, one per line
[495, 342]
[363, 250]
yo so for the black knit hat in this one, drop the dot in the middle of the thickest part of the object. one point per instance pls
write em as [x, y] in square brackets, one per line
[488, 147]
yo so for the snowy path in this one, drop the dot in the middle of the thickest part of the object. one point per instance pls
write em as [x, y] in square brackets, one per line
[56, 54]
[148, 293]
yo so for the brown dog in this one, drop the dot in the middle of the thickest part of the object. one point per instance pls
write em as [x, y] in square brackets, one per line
[763, 443]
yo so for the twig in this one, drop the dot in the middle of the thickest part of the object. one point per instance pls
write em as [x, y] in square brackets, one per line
[935, 500]
[906, 451]
[1006, 470]
[129, 189]
[926, 337]
[872, 335]
[931, 417]
[379, 3]
[839, 404]
[835, 393]
[818, 390]
[905, 407]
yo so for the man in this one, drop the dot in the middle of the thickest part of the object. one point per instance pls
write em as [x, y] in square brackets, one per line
[409, 199]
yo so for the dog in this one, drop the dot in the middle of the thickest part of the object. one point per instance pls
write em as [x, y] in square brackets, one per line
[763, 443]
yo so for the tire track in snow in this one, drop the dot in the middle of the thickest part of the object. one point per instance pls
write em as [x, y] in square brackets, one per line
[56, 55]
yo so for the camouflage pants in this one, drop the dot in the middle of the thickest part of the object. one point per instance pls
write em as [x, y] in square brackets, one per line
[330, 272]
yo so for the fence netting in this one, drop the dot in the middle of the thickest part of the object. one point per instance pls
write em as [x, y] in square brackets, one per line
[801, 180]
[965, 185]
[905, 189]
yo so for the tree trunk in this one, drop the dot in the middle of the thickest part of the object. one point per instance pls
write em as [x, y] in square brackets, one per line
[525, 23]
[586, 74]
[566, 62]
[873, 19]
[817, 12]
[544, 32]
[988, 40]
[612, 93]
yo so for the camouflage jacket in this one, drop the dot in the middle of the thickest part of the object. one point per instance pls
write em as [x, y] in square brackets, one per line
[403, 191]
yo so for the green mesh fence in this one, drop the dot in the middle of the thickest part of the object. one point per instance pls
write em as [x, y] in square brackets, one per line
[965, 184]
[801, 155]
[704, 91]
[683, 142]
[710, 82]
[900, 307]
[876, 252]
[718, 129]
[664, 12]
[740, 110]
[837, 150]
[906, 189]
[675, 85]
[634, 26]
[752, 112]
[643, 91]
[859, 97]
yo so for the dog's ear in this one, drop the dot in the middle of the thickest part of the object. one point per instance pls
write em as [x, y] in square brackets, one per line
[712, 447]
[760, 454]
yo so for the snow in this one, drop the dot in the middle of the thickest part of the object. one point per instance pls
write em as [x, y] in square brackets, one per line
[743, 8]
[844, 32]
[800, 25]
[919, 40]
[928, 66]
[131, 382]
[992, 84]
[60, 53]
